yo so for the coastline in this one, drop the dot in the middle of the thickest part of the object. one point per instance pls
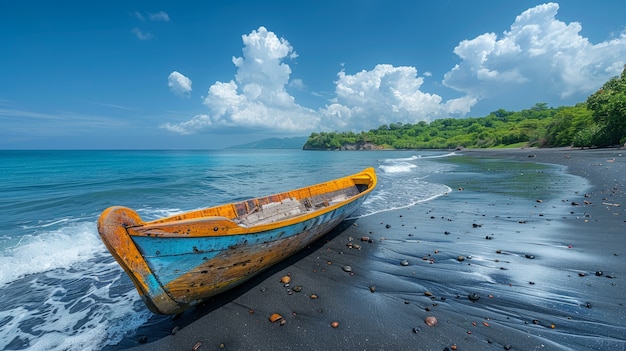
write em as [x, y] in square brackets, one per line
[532, 265]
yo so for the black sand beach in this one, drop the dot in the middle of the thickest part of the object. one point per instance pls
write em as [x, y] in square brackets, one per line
[518, 256]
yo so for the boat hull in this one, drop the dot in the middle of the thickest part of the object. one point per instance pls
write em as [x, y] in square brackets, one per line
[180, 261]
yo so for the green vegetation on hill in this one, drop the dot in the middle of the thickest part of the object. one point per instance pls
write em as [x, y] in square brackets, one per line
[600, 121]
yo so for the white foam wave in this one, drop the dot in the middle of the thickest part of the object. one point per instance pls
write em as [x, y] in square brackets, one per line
[148, 214]
[412, 158]
[372, 204]
[418, 157]
[442, 156]
[50, 224]
[397, 167]
[82, 309]
[42, 252]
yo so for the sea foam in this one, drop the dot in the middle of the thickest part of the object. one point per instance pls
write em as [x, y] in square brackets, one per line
[48, 250]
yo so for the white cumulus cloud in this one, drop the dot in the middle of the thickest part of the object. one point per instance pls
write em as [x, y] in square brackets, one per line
[179, 84]
[257, 98]
[540, 57]
[384, 95]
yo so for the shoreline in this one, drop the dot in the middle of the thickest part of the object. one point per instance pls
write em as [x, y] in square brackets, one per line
[495, 271]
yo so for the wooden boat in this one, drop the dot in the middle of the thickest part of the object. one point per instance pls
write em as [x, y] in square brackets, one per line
[177, 262]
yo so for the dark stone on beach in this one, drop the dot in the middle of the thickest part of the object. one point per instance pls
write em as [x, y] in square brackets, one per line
[446, 232]
[388, 226]
[599, 273]
[373, 288]
[474, 225]
[507, 347]
[416, 330]
[588, 304]
[143, 339]
[473, 296]
[530, 256]
[460, 258]
[297, 288]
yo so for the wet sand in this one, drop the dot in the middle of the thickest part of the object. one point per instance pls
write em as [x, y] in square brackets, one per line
[511, 259]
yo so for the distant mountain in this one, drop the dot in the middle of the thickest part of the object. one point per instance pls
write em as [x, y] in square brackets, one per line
[274, 143]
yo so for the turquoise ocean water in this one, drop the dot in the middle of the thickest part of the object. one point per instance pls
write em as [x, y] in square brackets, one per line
[61, 290]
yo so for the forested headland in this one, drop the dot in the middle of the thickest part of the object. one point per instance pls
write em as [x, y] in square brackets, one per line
[600, 121]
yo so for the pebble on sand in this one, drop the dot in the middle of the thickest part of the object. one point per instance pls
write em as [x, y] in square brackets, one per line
[430, 321]
[473, 296]
[275, 317]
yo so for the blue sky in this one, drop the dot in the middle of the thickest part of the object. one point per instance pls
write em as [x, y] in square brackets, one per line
[212, 74]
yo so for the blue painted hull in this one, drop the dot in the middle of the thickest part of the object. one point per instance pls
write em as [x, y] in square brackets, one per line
[179, 262]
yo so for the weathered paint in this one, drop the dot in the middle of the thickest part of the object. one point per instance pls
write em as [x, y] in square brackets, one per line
[179, 261]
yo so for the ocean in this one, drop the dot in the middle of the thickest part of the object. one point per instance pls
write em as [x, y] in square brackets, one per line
[60, 289]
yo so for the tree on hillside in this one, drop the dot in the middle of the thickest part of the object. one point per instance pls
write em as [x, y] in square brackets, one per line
[608, 106]
[569, 126]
